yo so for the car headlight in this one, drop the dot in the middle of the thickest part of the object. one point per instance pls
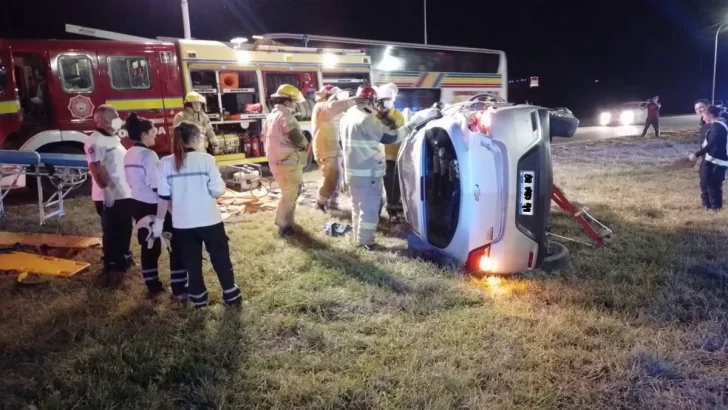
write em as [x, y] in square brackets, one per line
[605, 118]
[626, 117]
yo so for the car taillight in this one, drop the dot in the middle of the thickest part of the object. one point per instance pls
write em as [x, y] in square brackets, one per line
[480, 121]
[479, 260]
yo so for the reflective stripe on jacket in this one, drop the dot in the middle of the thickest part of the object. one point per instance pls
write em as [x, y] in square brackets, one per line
[710, 158]
[361, 135]
[325, 134]
[277, 125]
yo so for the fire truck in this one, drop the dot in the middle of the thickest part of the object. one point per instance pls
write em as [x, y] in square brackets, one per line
[50, 88]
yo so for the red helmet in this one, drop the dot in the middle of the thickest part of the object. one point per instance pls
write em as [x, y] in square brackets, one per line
[328, 89]
[366, 92]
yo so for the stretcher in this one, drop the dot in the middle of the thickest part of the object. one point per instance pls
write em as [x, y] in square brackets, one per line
[65, 172]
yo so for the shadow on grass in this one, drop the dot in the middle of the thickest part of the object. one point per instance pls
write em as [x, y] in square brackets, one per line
[648, 273]
[114, 349]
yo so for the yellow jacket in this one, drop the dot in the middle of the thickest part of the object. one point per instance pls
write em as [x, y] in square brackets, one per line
[391, 150]
[325, 138]
[202, 121]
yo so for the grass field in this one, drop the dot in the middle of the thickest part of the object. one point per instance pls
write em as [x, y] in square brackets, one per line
[642, 324]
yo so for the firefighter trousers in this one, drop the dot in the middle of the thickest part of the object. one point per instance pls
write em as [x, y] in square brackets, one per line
[289, 177]
[330, 189]
[366, 201]
[711, 185]
[116, 227]
[150, 256]
[216, 244]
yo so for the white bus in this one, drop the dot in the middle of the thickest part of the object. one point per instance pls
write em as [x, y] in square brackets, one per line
[425, 74]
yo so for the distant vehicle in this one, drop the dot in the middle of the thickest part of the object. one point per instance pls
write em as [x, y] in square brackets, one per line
[629, 113]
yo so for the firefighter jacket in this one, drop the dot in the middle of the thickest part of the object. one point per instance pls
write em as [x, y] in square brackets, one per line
[202, 121]
[325, 135]
[391, 150]
[361, 137]
[715, 145]
[278, 128]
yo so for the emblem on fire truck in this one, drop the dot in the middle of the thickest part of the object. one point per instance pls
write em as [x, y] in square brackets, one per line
[81, 107]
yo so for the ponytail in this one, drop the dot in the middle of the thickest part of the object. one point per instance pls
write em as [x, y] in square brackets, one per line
[136, 126]
[184, 134]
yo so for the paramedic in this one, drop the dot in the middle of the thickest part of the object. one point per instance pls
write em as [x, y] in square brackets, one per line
[285, 147]
[110, 191]
[361, 136]
[386, 95]
[194, 113]
[713, 167]
[331, 103]
[191, 181]
[141, 168]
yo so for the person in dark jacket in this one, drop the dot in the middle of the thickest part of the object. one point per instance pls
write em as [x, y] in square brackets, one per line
[715, 159]
[653, 116]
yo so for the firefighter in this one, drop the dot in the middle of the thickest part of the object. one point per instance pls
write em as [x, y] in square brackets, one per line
[715, 160]
[191, 181]
[110, 191]
[285, 148]
[331, 102]
[194, 113]
[361, 136]
[386, 95]
[141, 166]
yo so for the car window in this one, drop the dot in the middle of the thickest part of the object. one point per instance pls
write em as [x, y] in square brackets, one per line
[76, 73]
[129, 73]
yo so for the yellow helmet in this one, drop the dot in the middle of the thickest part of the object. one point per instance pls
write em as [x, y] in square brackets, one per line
[193, 97]
[289, 91]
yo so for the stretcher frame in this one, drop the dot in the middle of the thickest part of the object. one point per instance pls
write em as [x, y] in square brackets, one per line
[587, 221]
[64, 171]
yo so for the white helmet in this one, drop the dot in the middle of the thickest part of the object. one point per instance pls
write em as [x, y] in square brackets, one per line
[389, 90]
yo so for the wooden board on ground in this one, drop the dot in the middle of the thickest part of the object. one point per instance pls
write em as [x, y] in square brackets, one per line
[53, 241]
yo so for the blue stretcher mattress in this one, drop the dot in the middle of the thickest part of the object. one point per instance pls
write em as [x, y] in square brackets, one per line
[11, 157]
[64, 160]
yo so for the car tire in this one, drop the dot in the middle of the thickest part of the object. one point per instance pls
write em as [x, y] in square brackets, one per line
[557, 258]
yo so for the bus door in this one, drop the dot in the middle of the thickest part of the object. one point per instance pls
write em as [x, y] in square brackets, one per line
[131, 83]
[75, 89]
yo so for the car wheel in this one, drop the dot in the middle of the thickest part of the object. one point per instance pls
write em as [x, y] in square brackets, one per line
[557, 258]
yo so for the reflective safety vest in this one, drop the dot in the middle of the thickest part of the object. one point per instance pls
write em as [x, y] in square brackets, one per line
[202, 121]
[361, 138]
[708, 157]
[277, 125]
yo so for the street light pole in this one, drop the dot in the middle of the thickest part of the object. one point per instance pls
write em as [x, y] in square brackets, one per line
[715, 60]
[424, 3]
[186, 19]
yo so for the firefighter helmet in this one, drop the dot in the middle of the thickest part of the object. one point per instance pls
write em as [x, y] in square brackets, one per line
[290, 92]
[328, 90]
[193, 97]
[387, 91]
[366, 92]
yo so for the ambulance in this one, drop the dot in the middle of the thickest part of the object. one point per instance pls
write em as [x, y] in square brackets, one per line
[49, 89]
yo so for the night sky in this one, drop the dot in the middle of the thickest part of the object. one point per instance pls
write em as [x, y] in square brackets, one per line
[635, 48]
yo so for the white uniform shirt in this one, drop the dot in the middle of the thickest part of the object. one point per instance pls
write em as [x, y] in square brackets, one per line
[141, 166]
[192, 189]
[107, 149]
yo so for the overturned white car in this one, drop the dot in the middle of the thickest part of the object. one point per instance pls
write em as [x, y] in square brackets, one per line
[476, 182]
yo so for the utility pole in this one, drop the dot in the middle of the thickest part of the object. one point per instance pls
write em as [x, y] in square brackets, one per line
[424, 3]
[186, 19]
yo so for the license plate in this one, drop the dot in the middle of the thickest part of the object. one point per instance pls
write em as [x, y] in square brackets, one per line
[527, 184]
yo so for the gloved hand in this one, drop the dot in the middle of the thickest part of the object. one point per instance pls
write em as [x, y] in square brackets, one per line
[157, 228]
[109, 197]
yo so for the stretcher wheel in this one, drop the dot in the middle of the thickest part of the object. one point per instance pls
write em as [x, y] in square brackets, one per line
[558, 257]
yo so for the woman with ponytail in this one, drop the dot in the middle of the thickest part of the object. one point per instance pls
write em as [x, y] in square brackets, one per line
[141, 166]
[191, 181]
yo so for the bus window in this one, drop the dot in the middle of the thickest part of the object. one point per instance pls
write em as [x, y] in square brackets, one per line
[416, 99]
[76, 73]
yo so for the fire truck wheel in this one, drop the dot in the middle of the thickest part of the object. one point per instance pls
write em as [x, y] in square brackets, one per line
[558, 258]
